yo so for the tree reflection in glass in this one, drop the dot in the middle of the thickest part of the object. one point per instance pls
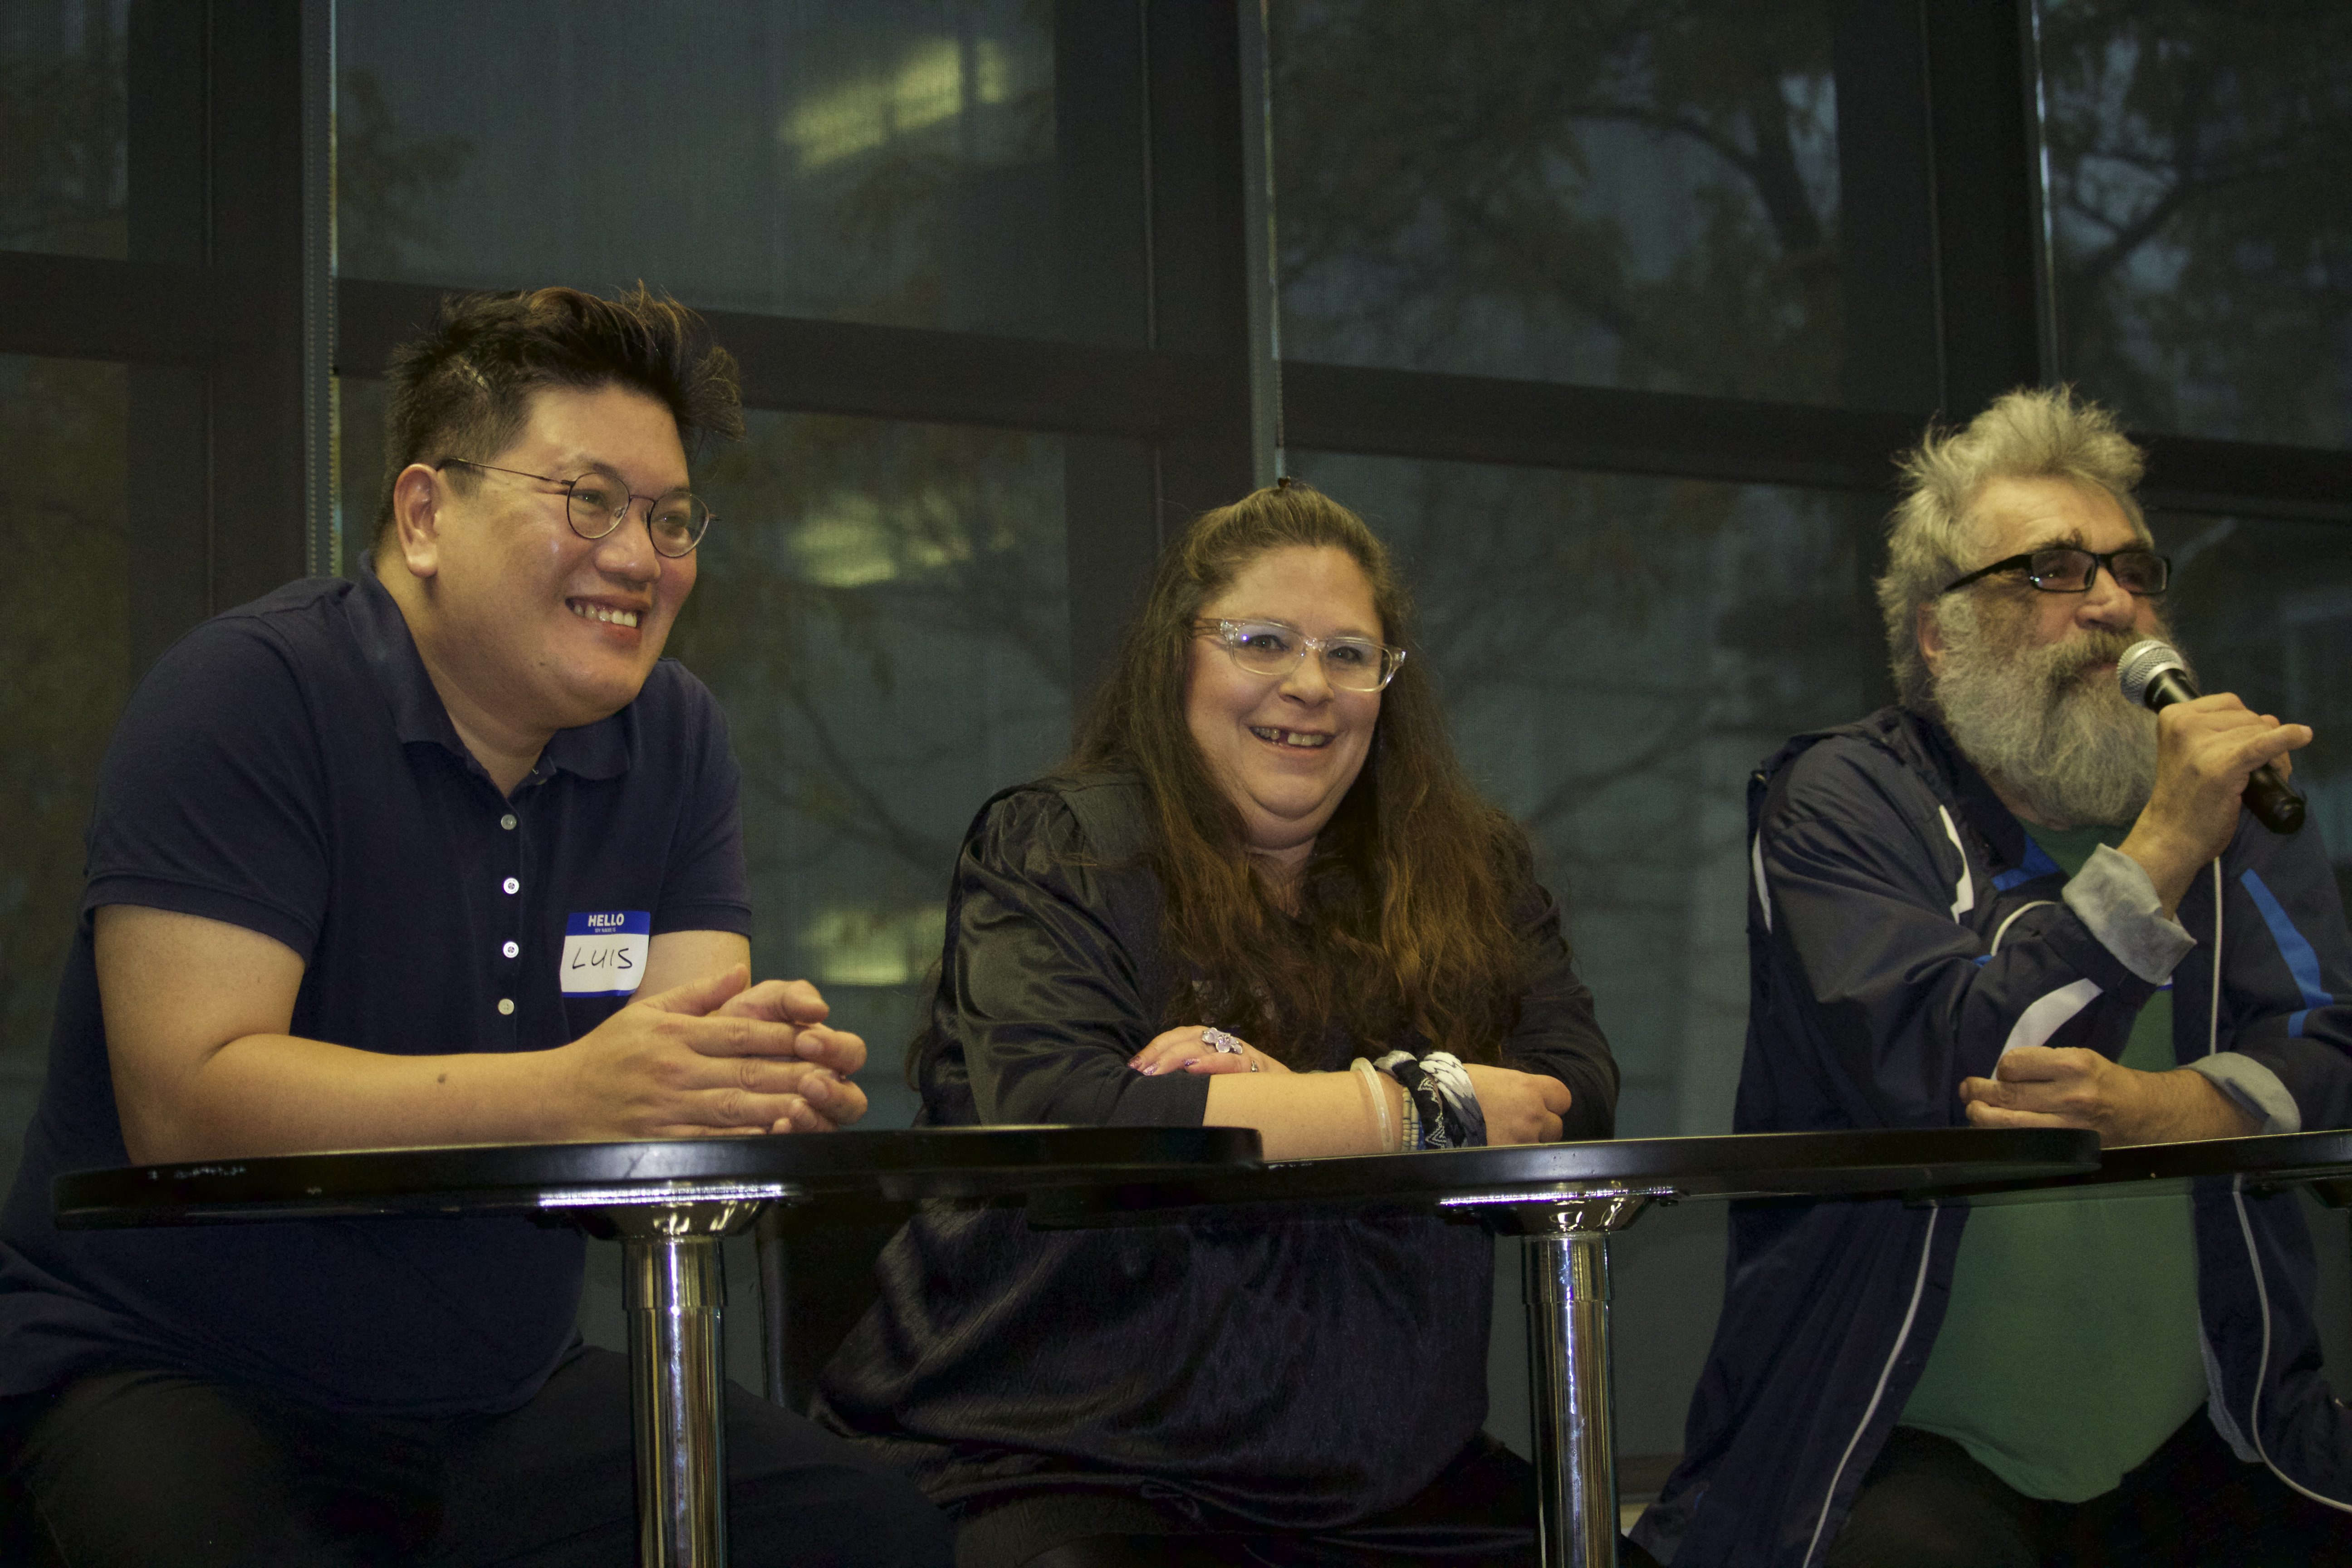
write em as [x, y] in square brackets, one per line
[2200, 186]
[2264, 609]
[1615, 194]
[64, 176]
[887, 162]
[1615, 655]
[884, 614]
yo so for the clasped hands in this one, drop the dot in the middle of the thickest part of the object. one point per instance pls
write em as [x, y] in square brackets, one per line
[714, 1058]
[2036, 1086]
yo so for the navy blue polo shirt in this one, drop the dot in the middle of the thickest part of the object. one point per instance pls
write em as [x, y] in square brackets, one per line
[288, 767]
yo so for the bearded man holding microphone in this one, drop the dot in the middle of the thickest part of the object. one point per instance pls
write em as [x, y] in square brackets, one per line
[2021, 898]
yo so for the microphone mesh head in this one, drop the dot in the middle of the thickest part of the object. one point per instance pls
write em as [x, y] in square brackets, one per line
[2142, 662]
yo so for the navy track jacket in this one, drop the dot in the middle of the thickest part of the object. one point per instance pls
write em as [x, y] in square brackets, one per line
[1902, 932]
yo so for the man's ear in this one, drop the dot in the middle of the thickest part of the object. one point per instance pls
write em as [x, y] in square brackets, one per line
[1931, 639]
[416, 519]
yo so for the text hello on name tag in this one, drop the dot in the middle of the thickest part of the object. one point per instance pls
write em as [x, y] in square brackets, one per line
[604, 952]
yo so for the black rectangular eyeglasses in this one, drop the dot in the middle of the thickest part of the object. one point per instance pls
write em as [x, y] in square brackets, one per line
[2137, 570]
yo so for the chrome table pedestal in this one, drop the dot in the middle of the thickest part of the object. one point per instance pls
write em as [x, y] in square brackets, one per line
[672, 1204]
[674, 1274]
[1564, 1201]
[1565, 1282]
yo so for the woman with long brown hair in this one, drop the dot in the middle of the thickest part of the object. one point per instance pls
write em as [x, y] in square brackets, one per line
[1259, 894]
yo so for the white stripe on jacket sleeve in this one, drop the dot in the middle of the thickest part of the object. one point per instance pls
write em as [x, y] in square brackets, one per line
[2049, 1014]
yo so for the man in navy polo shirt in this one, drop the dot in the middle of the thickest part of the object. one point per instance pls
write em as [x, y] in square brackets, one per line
[445, 855]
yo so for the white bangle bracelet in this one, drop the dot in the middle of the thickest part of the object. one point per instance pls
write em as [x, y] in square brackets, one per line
[1372, 1084]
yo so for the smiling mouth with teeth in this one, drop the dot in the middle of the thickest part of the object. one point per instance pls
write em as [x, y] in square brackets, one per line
[598, 613]
[1290, 737]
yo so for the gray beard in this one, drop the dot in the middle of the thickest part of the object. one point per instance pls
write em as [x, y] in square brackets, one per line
[2077, 751]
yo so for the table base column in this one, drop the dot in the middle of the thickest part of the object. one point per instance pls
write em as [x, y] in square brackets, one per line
[1570, 1385]
[676, 1297]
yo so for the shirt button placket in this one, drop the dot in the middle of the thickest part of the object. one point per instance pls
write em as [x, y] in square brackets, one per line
[508, 971]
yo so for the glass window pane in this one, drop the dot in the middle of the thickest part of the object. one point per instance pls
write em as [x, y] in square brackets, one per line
[1614, 195]
[68, 651]
[2264, 609]
[1615, 656]
[888, 162]
[2200, 192]
[882, 609]
[64, 142]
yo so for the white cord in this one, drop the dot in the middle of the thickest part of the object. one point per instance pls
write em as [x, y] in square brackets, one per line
[2246, 1230]
[1902, 1337]
[2213, 1018]
[2036, 904]
[2263, 1368]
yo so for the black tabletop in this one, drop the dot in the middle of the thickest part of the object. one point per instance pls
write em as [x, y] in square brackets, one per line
[2272, 1160]
[964, 1161]
[1761, 1164]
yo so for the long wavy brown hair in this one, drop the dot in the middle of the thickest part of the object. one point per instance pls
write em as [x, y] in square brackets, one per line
[1402, 918]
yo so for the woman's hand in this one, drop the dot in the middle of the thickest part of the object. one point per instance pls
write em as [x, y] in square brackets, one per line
[1191, 1048]
[1520, 1106]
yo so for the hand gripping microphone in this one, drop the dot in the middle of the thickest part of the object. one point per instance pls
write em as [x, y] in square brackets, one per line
[2153, 673]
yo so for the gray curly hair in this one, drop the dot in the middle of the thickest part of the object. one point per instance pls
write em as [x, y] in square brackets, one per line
[2031, 433]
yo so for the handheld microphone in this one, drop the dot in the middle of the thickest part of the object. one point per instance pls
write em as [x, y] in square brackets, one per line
[2153, 673]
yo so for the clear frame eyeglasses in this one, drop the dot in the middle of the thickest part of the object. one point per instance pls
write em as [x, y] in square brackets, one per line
[595, 504]
[2135, 569]
[1272, 648]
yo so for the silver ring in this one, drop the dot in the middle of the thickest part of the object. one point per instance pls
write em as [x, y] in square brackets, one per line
[1217, 1040]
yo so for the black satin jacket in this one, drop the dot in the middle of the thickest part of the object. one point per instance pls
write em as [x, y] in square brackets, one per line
[1254, 1371]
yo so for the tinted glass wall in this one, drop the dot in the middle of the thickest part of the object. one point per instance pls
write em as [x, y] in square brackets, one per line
[1770, 207]
[1620, 195]
[882, 611]
[1608, 315]
[2264, 609]
[65, 643]
[2201, 194]
[873, 163]
[64, 169]
[1615, 655]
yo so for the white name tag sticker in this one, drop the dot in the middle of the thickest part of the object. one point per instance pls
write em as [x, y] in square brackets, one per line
[604, 952]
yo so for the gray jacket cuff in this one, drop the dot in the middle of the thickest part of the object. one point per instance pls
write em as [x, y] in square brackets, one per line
[2255, 1086]
[2113, 896]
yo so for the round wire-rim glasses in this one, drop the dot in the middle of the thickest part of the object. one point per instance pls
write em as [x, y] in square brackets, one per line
[676, 520]
[1274, 648]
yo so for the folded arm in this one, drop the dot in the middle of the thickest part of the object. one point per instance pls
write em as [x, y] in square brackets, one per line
[1310, 1115]
[1053, 985]
[1306, 1115]
[1555, 1078]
